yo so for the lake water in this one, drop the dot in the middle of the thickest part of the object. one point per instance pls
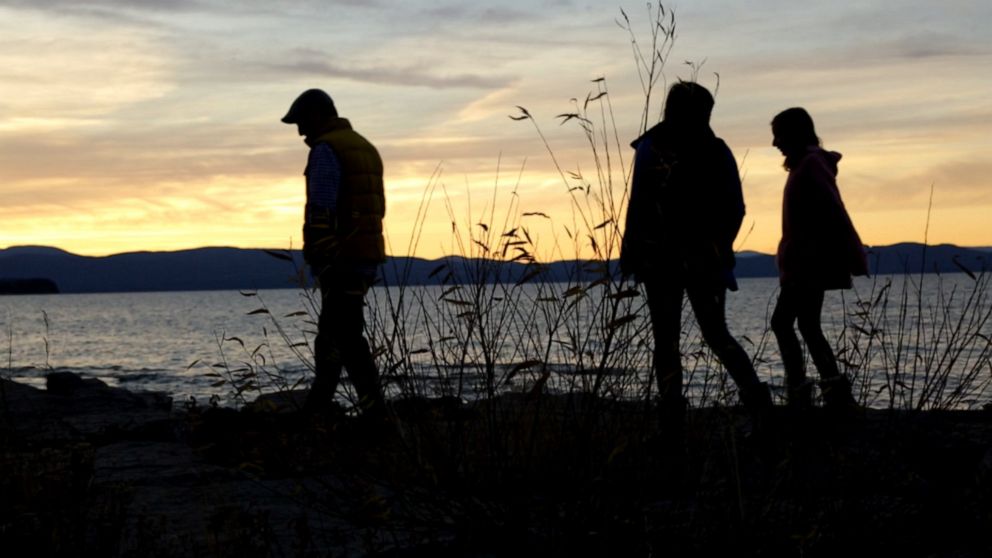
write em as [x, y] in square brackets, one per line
[444, 341]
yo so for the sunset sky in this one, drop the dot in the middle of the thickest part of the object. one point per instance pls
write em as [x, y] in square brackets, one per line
[154, 124]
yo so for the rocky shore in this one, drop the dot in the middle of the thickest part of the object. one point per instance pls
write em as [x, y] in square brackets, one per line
[86, 469]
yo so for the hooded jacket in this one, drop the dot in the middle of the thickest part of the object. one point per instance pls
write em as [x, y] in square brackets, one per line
[686, 207]
[819, 245]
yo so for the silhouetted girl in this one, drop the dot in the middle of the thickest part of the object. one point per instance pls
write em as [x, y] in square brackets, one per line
[819, 251]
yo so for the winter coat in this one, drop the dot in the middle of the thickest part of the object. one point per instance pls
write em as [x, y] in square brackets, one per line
[686, 208]
[819, 245]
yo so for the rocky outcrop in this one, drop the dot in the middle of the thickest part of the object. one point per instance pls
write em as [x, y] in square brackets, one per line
[86, 465]
[76, 408]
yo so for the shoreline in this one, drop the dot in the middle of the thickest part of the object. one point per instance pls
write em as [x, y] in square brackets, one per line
[89, 466]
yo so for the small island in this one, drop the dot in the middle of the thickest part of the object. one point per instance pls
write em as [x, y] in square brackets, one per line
[28, 286]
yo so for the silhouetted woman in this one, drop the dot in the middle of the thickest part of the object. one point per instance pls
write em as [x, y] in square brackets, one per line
[819, 251]
[686, 207]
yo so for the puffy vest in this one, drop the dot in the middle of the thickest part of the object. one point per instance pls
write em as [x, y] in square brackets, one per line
[361, 201]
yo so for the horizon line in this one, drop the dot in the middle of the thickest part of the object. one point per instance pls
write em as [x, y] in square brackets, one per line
[744, 253]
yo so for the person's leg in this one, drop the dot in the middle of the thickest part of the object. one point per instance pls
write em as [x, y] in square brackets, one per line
[835, 387]
[799, 392]
[708, 305]
[664, 297]
[809, 307]
[327, 357]
[349, 332]
[665, 306]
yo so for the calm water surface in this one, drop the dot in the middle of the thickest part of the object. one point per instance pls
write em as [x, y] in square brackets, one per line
[171, 341]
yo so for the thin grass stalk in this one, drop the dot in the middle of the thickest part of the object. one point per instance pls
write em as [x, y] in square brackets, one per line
[919, 299]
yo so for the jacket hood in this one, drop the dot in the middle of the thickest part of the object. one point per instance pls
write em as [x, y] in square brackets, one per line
[831, 158]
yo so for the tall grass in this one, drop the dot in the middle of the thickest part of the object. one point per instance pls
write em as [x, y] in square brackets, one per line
[916, 342]
[3, 377]
[254, 370]
[489, 328]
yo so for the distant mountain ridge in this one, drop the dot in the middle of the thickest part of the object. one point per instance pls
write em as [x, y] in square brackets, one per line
[220, 268]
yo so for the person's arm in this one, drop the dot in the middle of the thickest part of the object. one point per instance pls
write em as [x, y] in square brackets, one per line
[323, 184]
[638, 214]
[732, 193]
[832, 218]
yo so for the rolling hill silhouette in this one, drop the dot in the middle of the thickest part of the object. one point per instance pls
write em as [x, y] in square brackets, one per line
[240, 268]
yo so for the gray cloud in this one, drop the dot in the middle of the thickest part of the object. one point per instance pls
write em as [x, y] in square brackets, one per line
[930, 45]
[914, 46]
[72, 5]
[174, 5]
[154, 12]
[505, 15]
[463, 12]
[397, 75]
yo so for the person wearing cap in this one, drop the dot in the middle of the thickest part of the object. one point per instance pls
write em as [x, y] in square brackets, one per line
[342, 244]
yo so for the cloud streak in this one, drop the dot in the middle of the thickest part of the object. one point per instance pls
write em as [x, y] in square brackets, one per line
[311, 66]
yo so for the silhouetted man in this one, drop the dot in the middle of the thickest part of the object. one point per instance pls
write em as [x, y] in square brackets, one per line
[686, 207]
[342, 244]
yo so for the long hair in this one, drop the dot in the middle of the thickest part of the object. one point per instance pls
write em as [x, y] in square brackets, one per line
[794, 128]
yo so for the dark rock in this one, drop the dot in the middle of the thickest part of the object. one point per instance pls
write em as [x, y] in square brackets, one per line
[28, 286]
[74, 407]
[279, 402]
[67, 383]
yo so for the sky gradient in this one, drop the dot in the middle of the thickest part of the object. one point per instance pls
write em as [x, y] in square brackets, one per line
[154, 124]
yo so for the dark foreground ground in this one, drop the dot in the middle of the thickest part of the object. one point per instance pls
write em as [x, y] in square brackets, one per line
[90, 470]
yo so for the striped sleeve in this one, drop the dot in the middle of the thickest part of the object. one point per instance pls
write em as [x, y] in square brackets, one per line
[323, 183]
